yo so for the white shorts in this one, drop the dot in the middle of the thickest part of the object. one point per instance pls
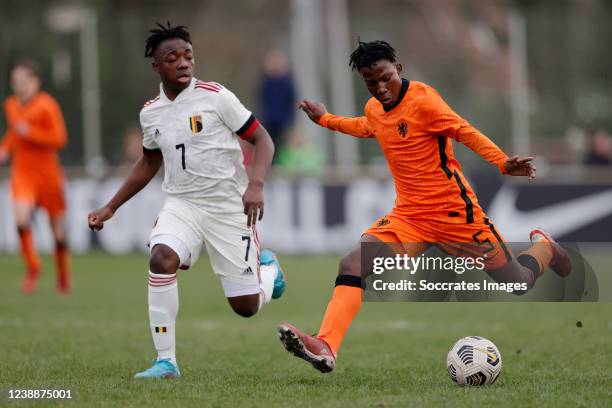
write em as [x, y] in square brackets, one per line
[233, 248]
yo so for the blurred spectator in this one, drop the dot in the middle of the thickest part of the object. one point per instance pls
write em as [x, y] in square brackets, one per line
[277, 97]
[35, 133]
[132, 149]
[576, 141]
[600, 148]
[299, 157]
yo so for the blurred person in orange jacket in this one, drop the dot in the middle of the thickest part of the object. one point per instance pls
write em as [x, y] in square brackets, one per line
[35, 133]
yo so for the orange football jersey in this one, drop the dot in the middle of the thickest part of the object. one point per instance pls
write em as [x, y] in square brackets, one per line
[35, 152]
[415, 137]
[36, 175]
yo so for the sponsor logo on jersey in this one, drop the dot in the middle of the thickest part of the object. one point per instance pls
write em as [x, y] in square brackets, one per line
[247, 272]
[195, 124]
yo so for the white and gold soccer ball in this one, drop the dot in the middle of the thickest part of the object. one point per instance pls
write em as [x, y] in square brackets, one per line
[474, 360]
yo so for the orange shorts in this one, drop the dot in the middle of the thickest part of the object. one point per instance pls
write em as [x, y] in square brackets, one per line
[478, 239]
[41, 191]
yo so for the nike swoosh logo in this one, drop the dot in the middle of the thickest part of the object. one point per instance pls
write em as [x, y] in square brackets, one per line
[492, 356]
[557, 219]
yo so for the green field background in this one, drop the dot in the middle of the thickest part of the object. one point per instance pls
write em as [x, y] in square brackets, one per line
[395, 354]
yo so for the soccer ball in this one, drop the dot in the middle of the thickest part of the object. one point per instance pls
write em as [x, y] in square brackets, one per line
[474, 360]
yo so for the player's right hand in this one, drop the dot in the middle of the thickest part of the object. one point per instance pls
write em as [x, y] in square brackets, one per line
[314, 110]
[97, 217]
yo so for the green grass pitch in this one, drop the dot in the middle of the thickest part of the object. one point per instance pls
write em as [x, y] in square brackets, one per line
[394, 355]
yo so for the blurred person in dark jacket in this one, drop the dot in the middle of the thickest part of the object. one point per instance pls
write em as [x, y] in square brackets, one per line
[600, 148]
[277, 97]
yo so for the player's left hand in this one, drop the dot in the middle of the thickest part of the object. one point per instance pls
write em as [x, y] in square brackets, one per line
[22, 128]
[253, 200]
[520, 166]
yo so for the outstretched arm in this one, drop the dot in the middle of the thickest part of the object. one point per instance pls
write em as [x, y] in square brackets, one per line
[479, 143]
[253, 198]
[442, 120]
[316, 111]
[141, 174]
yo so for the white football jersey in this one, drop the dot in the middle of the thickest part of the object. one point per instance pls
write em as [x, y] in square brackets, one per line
[197, 135]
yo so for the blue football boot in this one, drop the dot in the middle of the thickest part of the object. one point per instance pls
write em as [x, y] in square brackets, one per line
[267, 257]
[161, 369]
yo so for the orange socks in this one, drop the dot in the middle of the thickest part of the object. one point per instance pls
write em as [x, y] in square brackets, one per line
[341, 310]
[28, 251]
[62, 265]
[541, 252]
[62, 262]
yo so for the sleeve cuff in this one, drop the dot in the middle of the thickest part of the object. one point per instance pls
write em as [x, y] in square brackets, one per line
[248, 128]
[501, 167]
[324, 119]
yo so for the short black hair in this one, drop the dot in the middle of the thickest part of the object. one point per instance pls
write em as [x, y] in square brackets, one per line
[164, 33]
[368, 53]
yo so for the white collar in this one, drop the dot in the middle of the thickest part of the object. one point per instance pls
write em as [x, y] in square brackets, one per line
[180, 95]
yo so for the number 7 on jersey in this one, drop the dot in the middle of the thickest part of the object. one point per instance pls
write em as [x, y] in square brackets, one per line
[182, 147]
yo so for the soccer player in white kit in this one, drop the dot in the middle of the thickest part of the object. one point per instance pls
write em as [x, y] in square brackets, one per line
[192, 127]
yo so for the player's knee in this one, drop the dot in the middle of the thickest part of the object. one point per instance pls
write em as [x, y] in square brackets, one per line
[59, 235]
[162, 262]
[23, 219]
[348, 266]
[245, 308]
[246, 311]
[61, 245]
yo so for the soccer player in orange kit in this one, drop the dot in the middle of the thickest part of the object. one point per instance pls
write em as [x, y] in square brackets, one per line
[35, 132]
[435, 204]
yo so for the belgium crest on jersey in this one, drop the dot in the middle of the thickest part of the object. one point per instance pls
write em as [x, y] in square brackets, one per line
[195, 124]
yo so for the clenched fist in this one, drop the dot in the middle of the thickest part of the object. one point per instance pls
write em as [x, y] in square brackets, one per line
[97, 217]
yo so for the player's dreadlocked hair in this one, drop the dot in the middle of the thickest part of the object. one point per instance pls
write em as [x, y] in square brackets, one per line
[163, 33]
[368, 53]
